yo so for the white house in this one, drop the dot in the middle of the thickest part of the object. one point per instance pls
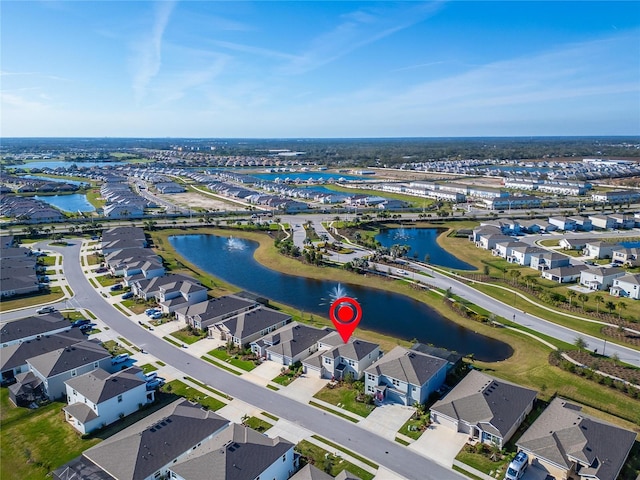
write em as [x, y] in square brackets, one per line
[599, 249]
[626, 286]
[405, 376]
[336, 359]
[290, 344]
[98, 398]
[505, 249]
[563, 223]
[30, 328]
[522, 255]
[626, 256]
[600, 278]
[569, 273]
[549, 260]
[180, 294]
[623, 221]
[602, 221]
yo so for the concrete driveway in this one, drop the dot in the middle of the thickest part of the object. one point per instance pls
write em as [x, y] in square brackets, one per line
[303, 388]
[440, 444]
[263, 373]
[387, 419]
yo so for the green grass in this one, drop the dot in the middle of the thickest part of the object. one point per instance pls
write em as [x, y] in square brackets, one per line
[34, 442]
[114, 348]
[207, 387]
[48, 261]
[121, 310]
[348, 452]
[481, 462]
[125, 341]
[268, 415]
[162, 364]
[465, 473]
[330, 410]
[257, 424]
[189, 336]
[183, 390]
[346, 397]
[148, 368]
[220, 365]
[222, 355]
[93, 197]
[172, 341]
[413, 423]
[271, 387]
[311, 451]
[107, 280]
[93, 259]
[31, 300]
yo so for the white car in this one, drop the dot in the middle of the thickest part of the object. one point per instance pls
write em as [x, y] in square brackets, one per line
[123, 357]
[402, 272]
[151, 376]
[46, 310]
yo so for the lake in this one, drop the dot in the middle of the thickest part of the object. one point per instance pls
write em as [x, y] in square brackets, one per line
[422, 242]
[231, 260]
[73, 203]
[56, 180]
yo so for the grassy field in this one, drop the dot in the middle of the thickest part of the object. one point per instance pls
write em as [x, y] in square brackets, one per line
[107, 280]
[34, 442]
[114, 348]
[55, 293]
[317, 456]
[188, 336]
[222, 355]
[94, 198]
[344, 397]
[148, 368]
[183, 390]
[257, 424]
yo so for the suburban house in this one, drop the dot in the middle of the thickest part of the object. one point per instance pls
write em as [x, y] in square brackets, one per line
[405, 376]
[204, 314]
[30, 328]
[129, 261]
[563, 223]
[454, 359]
[548, 260]
[484, 407]
[623, 221]
[14, 357]
[602, 222]
[149, 447]
[336, 359]
[626, 286]
[600, 278]
[99, 398]
[150, 287]
[309, 472]
[488, 242]
[522, 255]
[616, 196]
[55, 367]
[478, 232]
[505, 249]
[142, 269]
[626, 256]
[246, 327]
[180, 294]
[119, 238]
[583, 224]
[567, 443]
[27, 390]
[574, 243]
[238, 452]
[289, 344]
[599, 249]
[569, 273]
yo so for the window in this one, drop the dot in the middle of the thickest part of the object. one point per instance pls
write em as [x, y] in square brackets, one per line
[371, 377]
[284, 457]
[95, 364]
[327, 360]
[119, 398]
[74, 372]
[396, 382]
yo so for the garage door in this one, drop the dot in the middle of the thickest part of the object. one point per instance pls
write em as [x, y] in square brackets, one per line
[444, 421]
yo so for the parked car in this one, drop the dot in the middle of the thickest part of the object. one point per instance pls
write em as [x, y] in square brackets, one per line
[102, 270]
[123, 357]
[155, 383]
[152, 311]
[402, 272]
[127, 295]
[156, 316]
[116, 287]
[151, 376]
[46, 310]
[80, 322]
[517, 467]
[87, 327]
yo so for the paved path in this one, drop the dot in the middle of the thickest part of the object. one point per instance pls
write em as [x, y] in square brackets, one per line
[387, 453]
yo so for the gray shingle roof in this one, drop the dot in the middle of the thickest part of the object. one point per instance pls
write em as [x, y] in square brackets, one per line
[18, 353]
[251, 322]
[355, 349]
[65, 359]
[237, 453]
[140, 450]
[99, 385]
[29, 326]
[217, 306]
[563, 434]
[479, 399]
[408, 366]
[294, 338]
[81, 411]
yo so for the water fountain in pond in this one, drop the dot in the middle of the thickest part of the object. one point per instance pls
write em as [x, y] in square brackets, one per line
[401, 234]
[235, 244]
[335, 293]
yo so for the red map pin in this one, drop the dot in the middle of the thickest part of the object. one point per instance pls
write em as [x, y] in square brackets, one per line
[345, 313]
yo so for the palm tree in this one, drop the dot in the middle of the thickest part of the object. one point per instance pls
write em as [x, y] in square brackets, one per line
[571, 294]
[598, 299]
[514, 275]
[580, 343]
[621, 306]
[583, 298]
[610, 306]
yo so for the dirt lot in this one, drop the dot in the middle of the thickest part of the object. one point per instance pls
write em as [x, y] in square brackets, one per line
[200, 200]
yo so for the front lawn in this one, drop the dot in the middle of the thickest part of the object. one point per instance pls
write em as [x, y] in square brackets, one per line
[256, 424]
[471, 456]
[34, 442]
[189, 335]
[134, 306]
[414, 427]
[344, 396]
[183, 390]
[322, 459]
[235, 359]
[148, 368]
[114, 348]
[107, 280]
[288, 375]
[54, 293]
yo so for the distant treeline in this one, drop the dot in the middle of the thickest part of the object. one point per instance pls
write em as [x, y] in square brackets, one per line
[353, 152]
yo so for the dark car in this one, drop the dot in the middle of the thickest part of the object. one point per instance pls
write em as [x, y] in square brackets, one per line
[102, 270]
[127, 295]
[87, 327]
[116, 287]
[80, 322]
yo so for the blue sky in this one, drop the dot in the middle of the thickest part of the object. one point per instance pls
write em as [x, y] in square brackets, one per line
[319, 69]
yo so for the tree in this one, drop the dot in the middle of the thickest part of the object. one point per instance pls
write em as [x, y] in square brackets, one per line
[610, 306]
[581, 343]
[621, 306]
[598, 299]
[571, 294]
[514, 274]
[583, 298]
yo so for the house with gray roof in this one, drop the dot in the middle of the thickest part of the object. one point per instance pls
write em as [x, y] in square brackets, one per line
[243, 328]
[309, 472]
[150, 287]
[567, 443]
[548, 260]
[570, 273]
[405, 376]
[180, 294]
[238, 453]
[148, 448]
[574, 243]
[55, 367]
[485, 408]
[626, 286]
[204, 314]
[599, 249]
[13, 359]
[289, 344]
[99, 398]
[522, 255]
[600, 278]
[626, 256]
[336, 359]
[119, 238]
[29, 328]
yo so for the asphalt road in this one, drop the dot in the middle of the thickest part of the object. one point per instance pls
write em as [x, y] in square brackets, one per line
[384, 452]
